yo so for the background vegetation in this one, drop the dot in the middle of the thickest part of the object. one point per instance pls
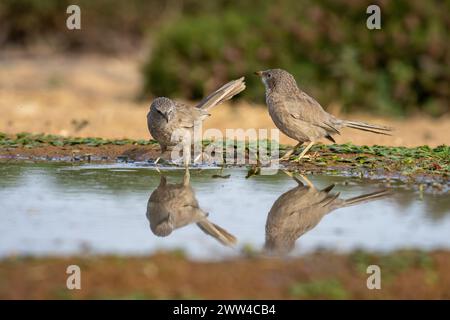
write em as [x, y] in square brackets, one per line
[196, 45]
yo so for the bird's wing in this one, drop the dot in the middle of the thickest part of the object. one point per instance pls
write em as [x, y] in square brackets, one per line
[300, 209]
[296, 224]
[185, 206]
[304, 108]
[187, 115]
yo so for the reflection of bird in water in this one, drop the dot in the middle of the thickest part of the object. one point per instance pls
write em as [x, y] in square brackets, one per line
[299, 210]
[172, 206]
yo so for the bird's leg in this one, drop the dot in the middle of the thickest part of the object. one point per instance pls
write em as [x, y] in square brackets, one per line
[198, 157]
[287, 155]
[307, 181]
[187, 177]
[187, 159]
[290, 174]
[304, 151]
[163, 149]
[187, 155]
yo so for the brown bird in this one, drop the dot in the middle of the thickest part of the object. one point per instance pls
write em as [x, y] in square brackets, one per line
[170, 122]
[300, 209]
[172, 206]
[299, 116]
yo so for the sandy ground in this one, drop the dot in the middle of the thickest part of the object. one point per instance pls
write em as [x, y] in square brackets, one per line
[319, 275]
[91, 95]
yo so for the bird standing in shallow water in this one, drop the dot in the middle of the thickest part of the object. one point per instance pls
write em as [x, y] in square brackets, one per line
[299, 116]
[170, 122]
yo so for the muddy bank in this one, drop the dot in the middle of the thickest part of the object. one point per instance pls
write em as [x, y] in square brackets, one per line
[82, 153]
[351, 164]
[421, 165]
[404, 275]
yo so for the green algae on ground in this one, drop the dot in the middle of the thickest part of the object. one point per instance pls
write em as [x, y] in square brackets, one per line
[30, 140]
[423, 159]
[323, 288]
[391, 264]
[403, 160]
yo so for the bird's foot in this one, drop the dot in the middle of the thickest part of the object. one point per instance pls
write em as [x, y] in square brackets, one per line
[161, 161]
[303, 155]
[287, 155]
[306, 156]
[203, 158]
[199, 158]
[285, 158]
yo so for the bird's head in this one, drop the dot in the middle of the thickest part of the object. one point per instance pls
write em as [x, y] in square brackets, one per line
[277, 80]
[163, 107]
[163, 228]
[278, 247]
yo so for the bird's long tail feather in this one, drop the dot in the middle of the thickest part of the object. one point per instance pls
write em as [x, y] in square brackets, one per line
[366, 197]
[368, 127]
[224, 93]
[223, 236]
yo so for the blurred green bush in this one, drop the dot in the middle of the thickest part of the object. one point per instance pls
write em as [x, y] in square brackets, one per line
[197, 45]
[397, 70]
[107, 26]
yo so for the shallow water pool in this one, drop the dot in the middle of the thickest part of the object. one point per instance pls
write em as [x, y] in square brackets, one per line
[62, 209]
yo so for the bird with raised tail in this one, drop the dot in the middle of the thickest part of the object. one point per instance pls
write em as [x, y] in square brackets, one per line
[299, 116]
[172, 206]
[172, 123]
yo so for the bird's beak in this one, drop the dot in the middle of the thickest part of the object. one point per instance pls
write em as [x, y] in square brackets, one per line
[259, 73]
[168, 116]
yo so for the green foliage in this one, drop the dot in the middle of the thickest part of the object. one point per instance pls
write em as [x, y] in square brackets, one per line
[197, 45]
[408, 161]
[30, 140]
[393, 264]
[397, 70]
[328, 289]
[106, 25]
[249, 251]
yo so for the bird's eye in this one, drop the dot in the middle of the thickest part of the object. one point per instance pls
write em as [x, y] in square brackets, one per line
[269, 75]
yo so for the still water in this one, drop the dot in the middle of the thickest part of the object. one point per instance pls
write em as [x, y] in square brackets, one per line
[62, 209]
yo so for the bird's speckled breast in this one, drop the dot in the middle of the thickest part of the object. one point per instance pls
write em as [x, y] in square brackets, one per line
[162, 131]
[283, 119]
[159, 128]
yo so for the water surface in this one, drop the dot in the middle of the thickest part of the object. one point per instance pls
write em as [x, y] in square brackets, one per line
[61, 209]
